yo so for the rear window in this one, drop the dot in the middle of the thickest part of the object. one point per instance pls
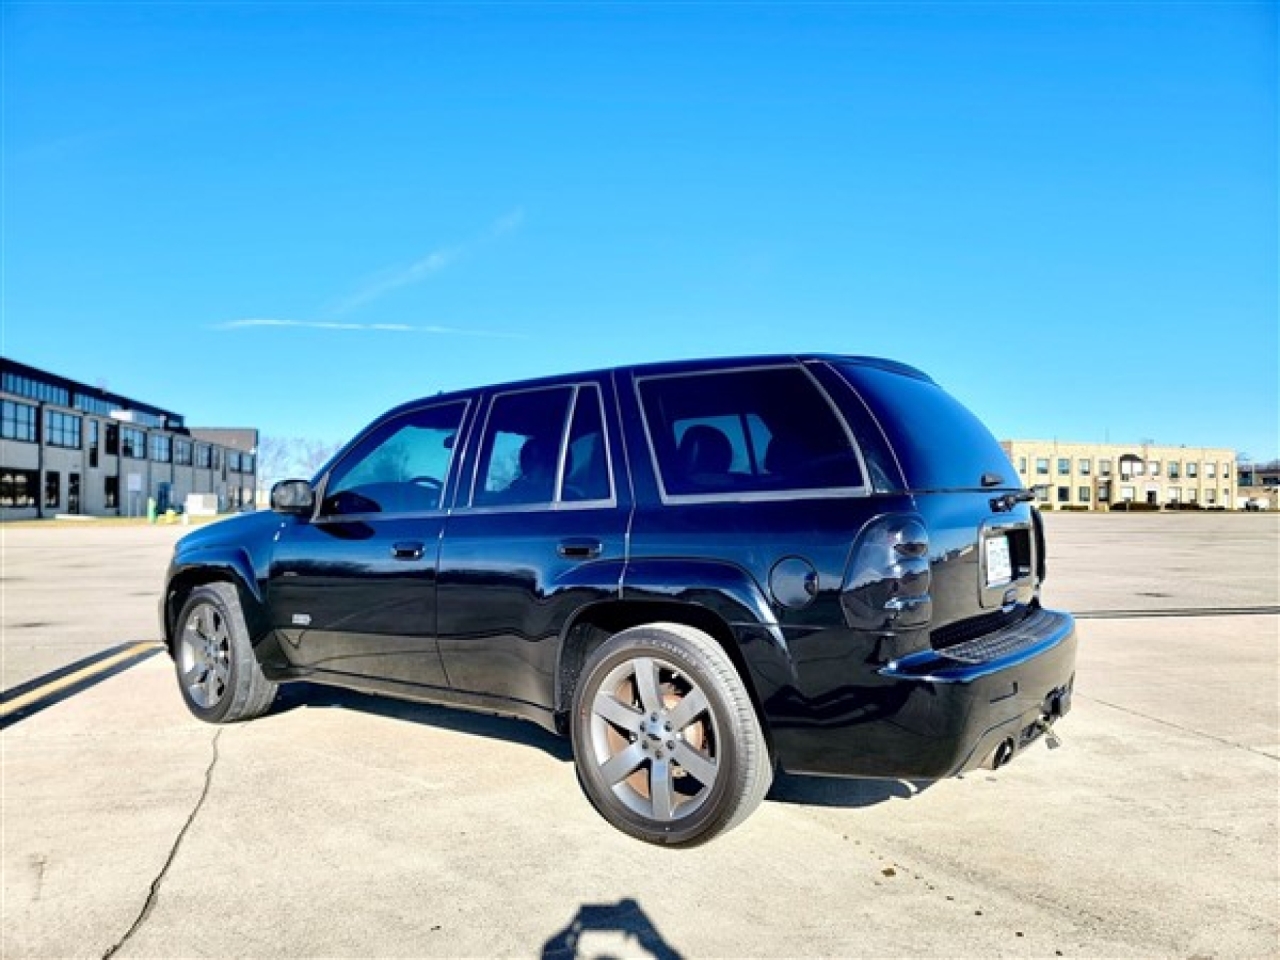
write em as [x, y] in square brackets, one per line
[939, 443]
[747, 432]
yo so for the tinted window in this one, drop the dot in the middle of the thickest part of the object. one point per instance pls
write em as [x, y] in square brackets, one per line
[940, 444]
[743, 432]
[586, 468]
[400, 467]
[520, 452]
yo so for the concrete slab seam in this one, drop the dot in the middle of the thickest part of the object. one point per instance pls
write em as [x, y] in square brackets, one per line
[1177, 726]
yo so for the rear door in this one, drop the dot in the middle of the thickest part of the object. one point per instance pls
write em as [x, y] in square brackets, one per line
[538, 532]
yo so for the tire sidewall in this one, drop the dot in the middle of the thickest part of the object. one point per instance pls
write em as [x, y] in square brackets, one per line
[211, 596]
[719, 806]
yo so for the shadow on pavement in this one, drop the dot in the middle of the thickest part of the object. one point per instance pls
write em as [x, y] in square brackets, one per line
[619, 929]
[836, 792]
[313, 696]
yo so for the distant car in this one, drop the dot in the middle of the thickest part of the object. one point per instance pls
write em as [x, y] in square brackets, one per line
[698, 571]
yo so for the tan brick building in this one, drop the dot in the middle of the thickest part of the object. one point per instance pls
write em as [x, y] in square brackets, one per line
[1093, 476]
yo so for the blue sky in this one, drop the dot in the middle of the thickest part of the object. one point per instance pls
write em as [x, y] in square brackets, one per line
[295, 216]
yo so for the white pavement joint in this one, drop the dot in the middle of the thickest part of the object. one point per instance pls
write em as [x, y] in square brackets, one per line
[1178, 726]
[153, 893]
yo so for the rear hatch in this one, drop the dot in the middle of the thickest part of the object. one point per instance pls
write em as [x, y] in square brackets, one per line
[981, 536]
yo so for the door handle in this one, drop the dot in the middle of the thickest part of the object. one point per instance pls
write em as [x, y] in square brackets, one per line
[580, 549]
[407, 550]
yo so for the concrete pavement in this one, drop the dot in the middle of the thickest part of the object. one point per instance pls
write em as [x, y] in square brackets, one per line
[341, 825]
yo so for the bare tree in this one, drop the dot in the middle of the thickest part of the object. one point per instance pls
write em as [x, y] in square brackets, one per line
[281, 458]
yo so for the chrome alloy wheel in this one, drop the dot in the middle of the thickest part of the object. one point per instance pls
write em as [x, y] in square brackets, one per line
[654, 739]
[204, 656]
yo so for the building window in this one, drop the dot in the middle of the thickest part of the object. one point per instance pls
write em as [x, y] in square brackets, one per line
[161, 448]
[1175, 469]
[52, 488]
[1193, 469]
[1104, 493]
[1104, 468]
[93, 442]
[1175, 494]
[233, 461]
[1064, 494]
[133, 443]
[111, 492]
[217, 458]
[92, 405]
[182, 452]
[62, 429]
[18, 421]
[18, 488]
[1127, 494]
[1083, 495]
[1022, 466]
[246, 463]
[36, 389]
[1154, 468]
[1211, 470]
[1210, 495]
[1064, 466]
[203, 459]
[1042, 491]
[1042, 466]
[1085, 466]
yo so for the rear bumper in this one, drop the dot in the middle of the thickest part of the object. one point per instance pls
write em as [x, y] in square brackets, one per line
[932, 714]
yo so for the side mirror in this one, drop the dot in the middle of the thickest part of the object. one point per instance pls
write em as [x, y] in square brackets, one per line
[293, 496]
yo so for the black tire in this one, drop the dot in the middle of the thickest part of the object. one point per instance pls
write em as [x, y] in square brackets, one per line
[666, 741]
[218, 673]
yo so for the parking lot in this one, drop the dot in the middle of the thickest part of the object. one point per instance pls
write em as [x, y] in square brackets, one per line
[342, 825]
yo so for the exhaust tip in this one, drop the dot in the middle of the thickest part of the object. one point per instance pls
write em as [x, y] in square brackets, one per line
[1001, 755]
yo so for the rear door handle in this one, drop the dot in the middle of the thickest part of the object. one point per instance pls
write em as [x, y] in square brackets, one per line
[407, 550]
[580, 549]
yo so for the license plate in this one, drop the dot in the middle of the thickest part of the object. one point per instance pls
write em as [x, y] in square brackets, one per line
[999, 563]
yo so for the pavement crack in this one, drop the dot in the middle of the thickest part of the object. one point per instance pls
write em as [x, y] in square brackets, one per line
[154, 892]
[1178, 726]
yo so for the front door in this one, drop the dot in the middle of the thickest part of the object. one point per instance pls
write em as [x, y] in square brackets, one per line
[539, 535]
[73, 493]
[352, 590]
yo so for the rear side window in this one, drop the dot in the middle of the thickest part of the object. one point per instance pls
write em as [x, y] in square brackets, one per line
[745, 432]
[543, 446]
[940, 444]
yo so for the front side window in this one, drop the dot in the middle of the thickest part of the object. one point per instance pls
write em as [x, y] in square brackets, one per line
[1085, 466]
[52, 489]
[182, 452]
[1064, 494]
[398, 467]
[1175, 469]
[1211, 470]
[203, 460]
[161, 448]
[1064, 466]
[747, 432]
[1083, 495]
[1104, 467]
[1042, 466]
[1192, 469]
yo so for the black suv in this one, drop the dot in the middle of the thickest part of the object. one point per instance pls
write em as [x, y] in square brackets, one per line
[699, 571]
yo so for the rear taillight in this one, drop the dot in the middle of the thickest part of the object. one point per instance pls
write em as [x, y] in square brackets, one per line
[887, 585]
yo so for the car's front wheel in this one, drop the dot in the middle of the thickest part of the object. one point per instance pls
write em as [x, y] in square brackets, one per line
[667, 743]
[218, 674]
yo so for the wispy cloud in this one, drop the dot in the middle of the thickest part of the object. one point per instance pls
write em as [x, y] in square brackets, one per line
[367, 327]
[400, 276]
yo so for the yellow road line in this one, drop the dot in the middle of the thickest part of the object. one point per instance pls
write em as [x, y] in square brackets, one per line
[71, 679]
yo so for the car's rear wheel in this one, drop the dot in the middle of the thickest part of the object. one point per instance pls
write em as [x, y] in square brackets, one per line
[666, 740]
[218, 674]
